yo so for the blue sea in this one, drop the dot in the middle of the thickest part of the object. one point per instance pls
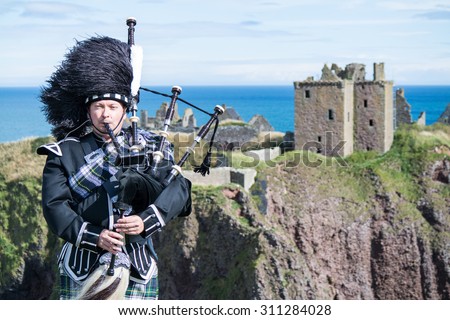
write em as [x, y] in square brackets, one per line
[22, 117]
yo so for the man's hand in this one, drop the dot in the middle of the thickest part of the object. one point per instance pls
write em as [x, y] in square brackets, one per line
[110, 241]
[130, 225]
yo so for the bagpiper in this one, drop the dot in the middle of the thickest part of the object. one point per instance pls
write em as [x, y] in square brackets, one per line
[105, 212]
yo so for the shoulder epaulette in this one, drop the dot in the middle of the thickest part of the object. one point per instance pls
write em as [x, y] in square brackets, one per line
[54, 147]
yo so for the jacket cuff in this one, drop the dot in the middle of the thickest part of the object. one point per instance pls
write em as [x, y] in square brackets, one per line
[88, 237]
[153, 221]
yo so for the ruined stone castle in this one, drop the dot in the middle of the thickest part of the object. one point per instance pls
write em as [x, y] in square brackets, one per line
[187, 123]
[343, 111]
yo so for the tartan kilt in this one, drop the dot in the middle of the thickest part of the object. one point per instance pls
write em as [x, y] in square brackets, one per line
[69, 289]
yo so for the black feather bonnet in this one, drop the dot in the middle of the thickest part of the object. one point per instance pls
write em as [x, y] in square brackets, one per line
[94, 69]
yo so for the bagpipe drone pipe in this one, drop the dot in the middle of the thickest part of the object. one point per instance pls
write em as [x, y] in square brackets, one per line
[146, 173]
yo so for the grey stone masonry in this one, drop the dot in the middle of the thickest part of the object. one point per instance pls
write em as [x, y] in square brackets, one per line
[422, 120]
[223, 176]
[266, 154]
[230, 114]
[343, 111]
[260, 123]
[445, 116]
[402, 108]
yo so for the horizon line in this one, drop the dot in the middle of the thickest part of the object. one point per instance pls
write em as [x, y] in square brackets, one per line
[231, 85]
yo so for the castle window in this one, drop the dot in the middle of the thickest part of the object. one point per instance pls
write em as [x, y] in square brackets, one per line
[365, 103]
[330, 114]
[371, 122]
[319, 138]
[307, 94]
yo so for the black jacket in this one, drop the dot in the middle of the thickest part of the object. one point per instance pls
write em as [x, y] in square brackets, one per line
[79, 223]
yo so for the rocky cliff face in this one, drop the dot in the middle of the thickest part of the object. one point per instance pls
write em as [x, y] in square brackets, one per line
[27, 249]
[371, 227]
[376, 231]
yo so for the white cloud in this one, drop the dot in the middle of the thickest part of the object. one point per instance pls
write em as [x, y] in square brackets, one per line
[410, 5]
[435, 15]
[52, 10]
[234, 41]
[274, 73]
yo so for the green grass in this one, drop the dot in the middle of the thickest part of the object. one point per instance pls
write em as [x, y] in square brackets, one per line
[400, 169]
[23, 231]
[398, 173]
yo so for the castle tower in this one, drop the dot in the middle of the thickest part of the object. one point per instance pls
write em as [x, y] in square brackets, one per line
[374, 122]
[374, 113]
[324, 116]
[343, 111]
[378, 71]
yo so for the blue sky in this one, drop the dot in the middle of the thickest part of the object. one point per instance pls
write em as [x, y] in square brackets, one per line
[234, 42]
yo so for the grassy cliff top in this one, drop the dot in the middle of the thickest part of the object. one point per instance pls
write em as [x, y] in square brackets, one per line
[19, 160]
[404, 174]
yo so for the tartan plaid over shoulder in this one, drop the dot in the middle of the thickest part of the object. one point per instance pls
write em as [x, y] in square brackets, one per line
[100, 167]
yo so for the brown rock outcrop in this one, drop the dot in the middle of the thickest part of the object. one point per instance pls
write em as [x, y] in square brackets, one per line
[312, 233]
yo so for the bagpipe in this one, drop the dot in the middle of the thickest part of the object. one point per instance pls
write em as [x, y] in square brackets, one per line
[145, 176]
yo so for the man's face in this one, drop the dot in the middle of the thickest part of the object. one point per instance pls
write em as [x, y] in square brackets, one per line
[109, 112]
